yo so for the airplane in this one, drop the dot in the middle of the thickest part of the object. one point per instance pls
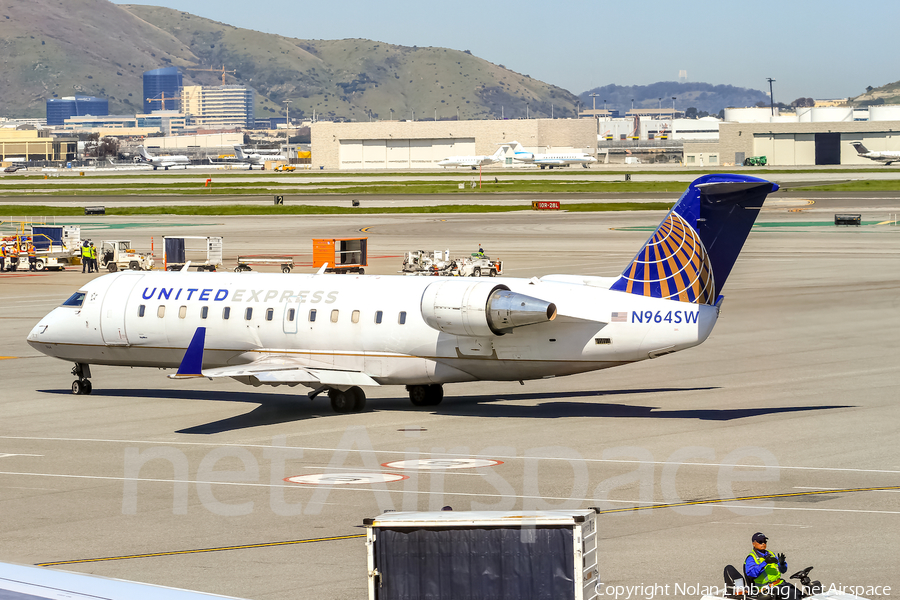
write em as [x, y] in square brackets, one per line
[163, 161]
[340, 333]
[551, 160]
[14, 168]
[885, 156]
[32, 583]
[256, 158]
[473, 161]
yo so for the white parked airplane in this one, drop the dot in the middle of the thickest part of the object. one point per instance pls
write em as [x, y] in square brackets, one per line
[255, 158]
[163, 161]
[22, 582]
[885, 156]
[338, 333]
[561, 159]
[476, 161]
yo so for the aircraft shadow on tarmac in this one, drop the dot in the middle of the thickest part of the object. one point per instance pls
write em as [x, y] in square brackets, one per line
[274, 408]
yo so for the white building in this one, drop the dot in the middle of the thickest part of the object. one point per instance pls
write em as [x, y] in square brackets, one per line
[219, 107]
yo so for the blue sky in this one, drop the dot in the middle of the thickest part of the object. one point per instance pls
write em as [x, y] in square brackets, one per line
[811, 48]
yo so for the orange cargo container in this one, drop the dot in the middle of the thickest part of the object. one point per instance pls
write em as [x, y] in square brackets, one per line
[342, 255]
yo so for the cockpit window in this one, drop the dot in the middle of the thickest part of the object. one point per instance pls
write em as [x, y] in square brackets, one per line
[76, 299]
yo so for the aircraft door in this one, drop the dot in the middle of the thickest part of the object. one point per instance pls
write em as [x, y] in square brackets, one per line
[291, 314]
[113, 309]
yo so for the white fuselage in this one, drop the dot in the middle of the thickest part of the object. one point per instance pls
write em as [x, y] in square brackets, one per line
[467, 161]
[370, 324]
[556, 160]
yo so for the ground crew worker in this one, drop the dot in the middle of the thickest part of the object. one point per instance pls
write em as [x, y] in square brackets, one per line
[85, 257]
[32, 257]
[13, 257]
[3, 257]
[765, 569]
[93, 255]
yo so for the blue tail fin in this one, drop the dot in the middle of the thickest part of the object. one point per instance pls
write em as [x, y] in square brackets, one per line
[692, 252]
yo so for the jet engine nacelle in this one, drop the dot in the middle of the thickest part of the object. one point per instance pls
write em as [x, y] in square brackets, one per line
[481, 308]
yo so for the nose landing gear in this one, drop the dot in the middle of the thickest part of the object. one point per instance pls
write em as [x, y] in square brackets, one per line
[82, 385]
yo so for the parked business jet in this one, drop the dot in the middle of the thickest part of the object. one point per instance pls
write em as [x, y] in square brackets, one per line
[339, 333]
[255, 158]
[473, 161]
[551, 160]
[886, 156]
[163, 161]
[14, 168]
[23, 582]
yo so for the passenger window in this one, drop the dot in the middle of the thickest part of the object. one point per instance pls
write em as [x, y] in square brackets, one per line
[291, 313]
[204, 312]
[334, 316]
[248, 314]
[226, 313]
[141, 309]
[354, 316]
[161, 311]
[312, 315]
[270, 313]
[401, 318]
[378, 315]
[182, 312]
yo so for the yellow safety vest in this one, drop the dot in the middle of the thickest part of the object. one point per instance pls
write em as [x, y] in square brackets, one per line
[770, 574]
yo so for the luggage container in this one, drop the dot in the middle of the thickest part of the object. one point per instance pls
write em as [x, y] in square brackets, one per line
[342, 255]
[204, 253]
[481, 555]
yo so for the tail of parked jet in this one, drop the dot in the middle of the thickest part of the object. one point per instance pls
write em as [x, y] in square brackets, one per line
[239, 152]
[498, 155]
[144, 154]
[860, 149]
[692, 252]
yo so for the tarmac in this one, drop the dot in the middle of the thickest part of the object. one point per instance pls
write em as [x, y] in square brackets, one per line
[784, 421]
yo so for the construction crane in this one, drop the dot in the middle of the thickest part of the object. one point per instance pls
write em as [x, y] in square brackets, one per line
[162, 99]
[222, 71]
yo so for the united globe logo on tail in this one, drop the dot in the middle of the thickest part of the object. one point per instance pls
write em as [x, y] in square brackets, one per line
[690, 255]
[673, 264]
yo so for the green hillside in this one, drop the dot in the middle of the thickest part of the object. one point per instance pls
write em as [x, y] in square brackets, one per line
[95, 47]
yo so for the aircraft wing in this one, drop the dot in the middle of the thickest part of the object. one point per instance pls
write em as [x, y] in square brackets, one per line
[21, 582]
[274, 368]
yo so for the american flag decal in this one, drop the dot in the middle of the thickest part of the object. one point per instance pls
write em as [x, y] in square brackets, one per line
[619, 317]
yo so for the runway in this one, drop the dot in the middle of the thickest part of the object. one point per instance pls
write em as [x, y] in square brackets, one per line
[784, 421]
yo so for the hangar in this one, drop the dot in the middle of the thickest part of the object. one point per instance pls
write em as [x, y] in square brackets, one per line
[421, 144]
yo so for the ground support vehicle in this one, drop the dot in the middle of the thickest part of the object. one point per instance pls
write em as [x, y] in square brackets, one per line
[342, 255]
[202, 252]
[285, 168]
[755, 161]
[285, 262]
[479, 265]
[737, 587]
[483, 554]
[421, 262]
[118, 255]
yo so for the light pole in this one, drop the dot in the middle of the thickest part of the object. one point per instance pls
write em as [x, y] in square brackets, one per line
[771, 95]
[526, 110]
[392, 114]
[632, 105]
[659, 107]
[594, 96]
[673, 108]
[287, 120]
[435, 115]
[457, 113]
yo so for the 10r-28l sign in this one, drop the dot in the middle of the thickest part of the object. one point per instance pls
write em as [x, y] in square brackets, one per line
[545, 205]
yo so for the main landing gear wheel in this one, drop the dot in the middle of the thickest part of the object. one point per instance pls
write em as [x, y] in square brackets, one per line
[425, 395]
[352, 400]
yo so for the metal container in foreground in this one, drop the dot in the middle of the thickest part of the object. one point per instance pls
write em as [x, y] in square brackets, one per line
[478, 555]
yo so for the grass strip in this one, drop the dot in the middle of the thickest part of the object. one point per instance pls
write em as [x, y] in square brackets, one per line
[19, 210]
